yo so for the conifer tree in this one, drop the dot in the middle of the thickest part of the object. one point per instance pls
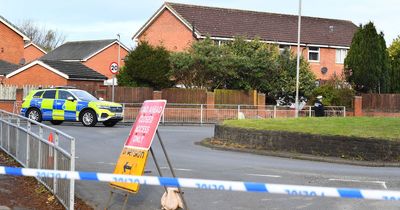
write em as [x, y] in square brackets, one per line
[367, 63]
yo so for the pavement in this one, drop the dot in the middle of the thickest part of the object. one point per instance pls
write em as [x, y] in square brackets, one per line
[98, 149]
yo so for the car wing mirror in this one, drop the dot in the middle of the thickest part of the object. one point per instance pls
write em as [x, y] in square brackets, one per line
[70, 98]
[101, 99]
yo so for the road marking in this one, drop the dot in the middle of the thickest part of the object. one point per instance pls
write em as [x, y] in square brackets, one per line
[113, 164]
[360, 181]
[265, 175]
[177, 169]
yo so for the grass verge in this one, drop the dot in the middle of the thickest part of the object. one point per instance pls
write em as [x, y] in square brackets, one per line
[366, 127]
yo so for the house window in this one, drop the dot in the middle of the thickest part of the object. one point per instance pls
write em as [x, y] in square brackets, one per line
[224, 42]
[283, 47]
[217, 42]
[313, 54]
[340, 55]
[221, 42]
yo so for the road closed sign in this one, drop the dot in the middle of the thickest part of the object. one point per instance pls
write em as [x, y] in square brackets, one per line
[132, 160]
[146, 124]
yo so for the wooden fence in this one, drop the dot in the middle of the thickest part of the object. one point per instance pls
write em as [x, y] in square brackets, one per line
[185, 96]
[129, 94]
[381, 102]
[223, 96]
[172, 95]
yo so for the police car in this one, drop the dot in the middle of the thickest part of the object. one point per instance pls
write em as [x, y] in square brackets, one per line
[68, 104]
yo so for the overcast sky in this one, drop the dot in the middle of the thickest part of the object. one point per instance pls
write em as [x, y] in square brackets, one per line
[103, 19]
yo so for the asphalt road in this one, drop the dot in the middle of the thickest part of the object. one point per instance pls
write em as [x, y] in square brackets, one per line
[98, 149]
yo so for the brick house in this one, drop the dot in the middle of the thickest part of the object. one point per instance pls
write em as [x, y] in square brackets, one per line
[32, 52]
[324, 42]
[55, 73]
[95, 54]
[12, 42]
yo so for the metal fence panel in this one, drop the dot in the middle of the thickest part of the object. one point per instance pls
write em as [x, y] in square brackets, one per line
[215, 113]
[32, 144]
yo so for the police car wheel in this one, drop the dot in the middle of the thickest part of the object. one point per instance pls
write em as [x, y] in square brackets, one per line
[89, 118]
[34, 114]
[56, 122]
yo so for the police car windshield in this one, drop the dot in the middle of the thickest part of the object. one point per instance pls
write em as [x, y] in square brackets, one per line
[83, 95]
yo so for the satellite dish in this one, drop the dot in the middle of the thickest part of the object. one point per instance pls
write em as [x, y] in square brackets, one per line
[324, 70]
[22, 61]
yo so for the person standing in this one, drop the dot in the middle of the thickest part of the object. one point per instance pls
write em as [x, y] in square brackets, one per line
[319, 107]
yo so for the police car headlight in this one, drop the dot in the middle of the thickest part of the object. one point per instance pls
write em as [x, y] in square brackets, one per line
[103, 107]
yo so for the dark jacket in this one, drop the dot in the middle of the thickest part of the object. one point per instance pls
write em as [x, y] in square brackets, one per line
[319, 109]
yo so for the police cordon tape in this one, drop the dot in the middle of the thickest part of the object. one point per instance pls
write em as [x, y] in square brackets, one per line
[294, 190]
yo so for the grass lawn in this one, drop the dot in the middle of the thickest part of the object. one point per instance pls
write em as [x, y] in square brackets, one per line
[375, 127]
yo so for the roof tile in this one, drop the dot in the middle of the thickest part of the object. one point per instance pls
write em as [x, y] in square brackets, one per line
[222, 22]
[75, 70]
[77, 50]
[6, 67]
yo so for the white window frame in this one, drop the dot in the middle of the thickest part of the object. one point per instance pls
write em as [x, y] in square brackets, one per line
[341, 54]
[314, 51]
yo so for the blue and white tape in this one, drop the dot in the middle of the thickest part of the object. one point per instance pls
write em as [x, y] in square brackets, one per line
[295, 190]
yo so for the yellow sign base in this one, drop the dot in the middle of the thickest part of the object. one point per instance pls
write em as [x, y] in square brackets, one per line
[130, 162]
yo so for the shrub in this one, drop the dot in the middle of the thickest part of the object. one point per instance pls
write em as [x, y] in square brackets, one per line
[146, 66]
[335, 93]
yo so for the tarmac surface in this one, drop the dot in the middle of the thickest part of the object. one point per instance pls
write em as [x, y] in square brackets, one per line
[98, 149]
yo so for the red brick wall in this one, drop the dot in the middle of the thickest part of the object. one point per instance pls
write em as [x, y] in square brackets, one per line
[11, 45]
[7, 105]
[101, 62]
[36, 75]
[357, 104]
[327, 58]
[32, 53]
[168, 31]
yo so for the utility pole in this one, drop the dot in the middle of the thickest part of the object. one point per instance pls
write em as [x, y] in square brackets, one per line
[119, 58]
[298, 63]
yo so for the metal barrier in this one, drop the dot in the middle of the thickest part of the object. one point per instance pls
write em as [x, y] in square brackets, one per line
[35, 145]
[17, 107]
[206, 113]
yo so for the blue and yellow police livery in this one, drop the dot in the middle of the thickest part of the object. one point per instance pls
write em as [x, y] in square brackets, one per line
[58, 105]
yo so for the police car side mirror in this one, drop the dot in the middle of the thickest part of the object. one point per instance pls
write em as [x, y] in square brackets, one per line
[101, 99]
[70, 98]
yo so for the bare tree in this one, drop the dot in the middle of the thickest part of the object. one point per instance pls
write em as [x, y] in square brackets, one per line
[48, 39]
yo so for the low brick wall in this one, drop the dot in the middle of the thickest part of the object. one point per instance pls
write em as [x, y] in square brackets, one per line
[332, 146]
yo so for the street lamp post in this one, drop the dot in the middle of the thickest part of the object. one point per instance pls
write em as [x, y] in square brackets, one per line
[298, 63]
[113, 77]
